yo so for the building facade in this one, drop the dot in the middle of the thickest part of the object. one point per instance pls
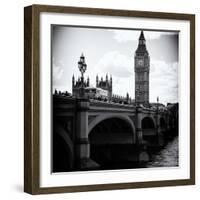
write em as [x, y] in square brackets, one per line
[105, 85]
[142, 68]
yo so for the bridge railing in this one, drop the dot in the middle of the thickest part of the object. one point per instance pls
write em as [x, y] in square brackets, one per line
[121, 99]
[109, 104]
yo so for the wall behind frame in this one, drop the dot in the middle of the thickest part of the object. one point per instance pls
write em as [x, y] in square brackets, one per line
[11, 101]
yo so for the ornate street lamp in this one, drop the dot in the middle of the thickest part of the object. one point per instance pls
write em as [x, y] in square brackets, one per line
[82, 65]
[82, 68]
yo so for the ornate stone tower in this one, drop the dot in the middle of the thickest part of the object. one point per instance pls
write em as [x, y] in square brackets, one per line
[142, 67]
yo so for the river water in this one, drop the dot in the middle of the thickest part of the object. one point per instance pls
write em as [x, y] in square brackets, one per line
[121, 156]
[167, 157]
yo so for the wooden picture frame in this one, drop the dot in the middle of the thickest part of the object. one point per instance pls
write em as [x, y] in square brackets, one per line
[32, 106]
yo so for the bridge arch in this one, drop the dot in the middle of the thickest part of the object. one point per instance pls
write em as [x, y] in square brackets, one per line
[103, 117]
[111, 139]
[148, 123]
[63, 150]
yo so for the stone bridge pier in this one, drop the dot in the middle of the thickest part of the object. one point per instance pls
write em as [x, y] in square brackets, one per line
[82, 146]
[139, 133]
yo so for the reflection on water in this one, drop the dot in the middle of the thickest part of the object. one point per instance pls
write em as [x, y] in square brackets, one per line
[167, 157]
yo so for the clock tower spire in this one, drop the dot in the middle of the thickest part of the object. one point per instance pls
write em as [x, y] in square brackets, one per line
[142, 68]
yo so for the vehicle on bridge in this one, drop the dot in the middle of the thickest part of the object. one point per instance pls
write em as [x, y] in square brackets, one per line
[96, 93]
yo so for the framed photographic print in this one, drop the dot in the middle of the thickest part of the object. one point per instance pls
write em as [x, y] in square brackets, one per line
[109, 99]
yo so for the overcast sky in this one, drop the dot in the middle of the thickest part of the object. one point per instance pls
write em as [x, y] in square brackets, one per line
[111, 51]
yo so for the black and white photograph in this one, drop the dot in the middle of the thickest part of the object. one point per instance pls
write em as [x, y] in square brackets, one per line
[115, 98]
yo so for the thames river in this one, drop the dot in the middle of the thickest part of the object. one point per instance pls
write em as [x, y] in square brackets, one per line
[119, 157]
[167, 157]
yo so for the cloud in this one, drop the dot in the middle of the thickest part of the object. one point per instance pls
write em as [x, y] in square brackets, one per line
[116, 64]
[122, 86]
[164, 81]
[57, 70]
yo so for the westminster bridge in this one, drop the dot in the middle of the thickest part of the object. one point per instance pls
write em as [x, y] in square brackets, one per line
[84, 128]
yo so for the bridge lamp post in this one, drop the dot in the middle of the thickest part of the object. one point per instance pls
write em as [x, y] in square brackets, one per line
[82, 68]
[157, 105]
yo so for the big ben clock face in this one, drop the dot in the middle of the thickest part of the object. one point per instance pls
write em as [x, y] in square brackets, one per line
[140, 62]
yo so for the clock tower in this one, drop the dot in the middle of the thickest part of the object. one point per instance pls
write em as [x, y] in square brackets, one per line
[142, 67]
